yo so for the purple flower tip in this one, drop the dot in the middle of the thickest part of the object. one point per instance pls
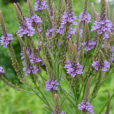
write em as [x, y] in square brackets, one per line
[112, 53]
[2, 70]
[103, 66]
[35, 19]
[27, 29]
[85, 17]
[86, 106]
[6, 39]
[40, 5]
[73, 68]
[103, 27]
[51, 85]
[89, 45]
[33, 60]
[60, 112]
[50, 32]
[67, 18]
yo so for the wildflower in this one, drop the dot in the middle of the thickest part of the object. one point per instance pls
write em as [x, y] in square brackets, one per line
[86, 106]
[67, 18]
[85, 17]
[50, 32]
[40, 5]
[27, 29]
[31, 68]
[6, 39]
[112, 53]
[2, 70]
[61, 29]
[51, 85]
[33, 59]
[81, 32]
[89, 45]
[71, 31]
[35, 19]
[60, 112]
[103, 66]
[73, 69]
[103, 27]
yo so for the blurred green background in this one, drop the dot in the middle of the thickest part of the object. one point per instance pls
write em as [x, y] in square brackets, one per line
[15, 102]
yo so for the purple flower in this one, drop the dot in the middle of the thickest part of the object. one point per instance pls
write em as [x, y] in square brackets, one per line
[95, 64]
[33, 59]
[103, 27]
[103, 66]
[2, 70]
[40, 5]
[85, 17]
[61, 29]
[35, 19]
[6, 39]
[67, 18]
[31, 69]
[50, 32]
[51, 85]
[27, 29]
[73, 68]
[60, 112]
[86, 106]
[89, 45]
[59, 44]
[71, 31]
[81, 32]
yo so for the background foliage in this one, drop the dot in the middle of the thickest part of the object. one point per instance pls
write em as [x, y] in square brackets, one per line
[15, 102]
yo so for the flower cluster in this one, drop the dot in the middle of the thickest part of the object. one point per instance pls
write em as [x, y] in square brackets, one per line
[40, 5]
[6, 39]
[89, 45]
[1, 70]
[103, 27]
[86, 106]
[35, 19]
[67, 18]
[50, 32]
[73, 69]
[51, 85]
[27, 29]
[103, 66]
[60, 112]
[85, 17]
[33, 60]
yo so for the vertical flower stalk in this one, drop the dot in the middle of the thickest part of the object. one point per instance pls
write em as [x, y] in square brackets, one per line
[85, 105]
[84, 15]
[85, 6]
[94, 12]
[31, 11]
[6, 42]
[103, 10]
[56, 104]
[35, 20]
[107, 10]
[25, 30]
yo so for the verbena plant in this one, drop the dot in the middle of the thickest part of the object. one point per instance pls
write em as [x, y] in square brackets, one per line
[71, 58]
